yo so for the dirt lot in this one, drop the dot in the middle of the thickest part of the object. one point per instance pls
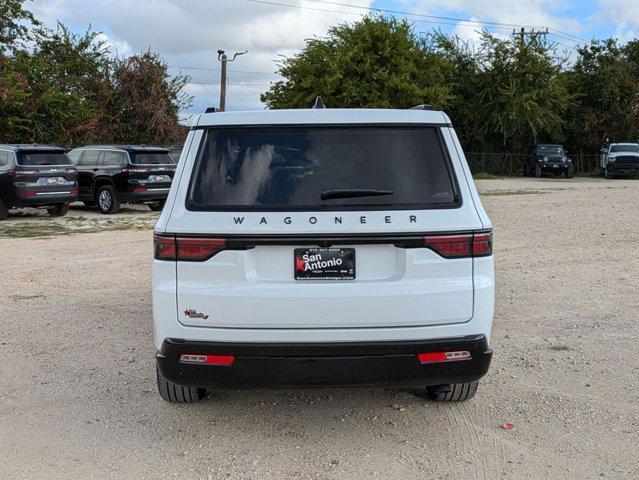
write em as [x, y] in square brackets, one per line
[77, 381]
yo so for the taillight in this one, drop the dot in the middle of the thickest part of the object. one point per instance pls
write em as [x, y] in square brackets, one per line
[436, 357]
[198, 249]
[28, 193]
[483, 244]
[462, 245]
[186, 249]
[164, 248]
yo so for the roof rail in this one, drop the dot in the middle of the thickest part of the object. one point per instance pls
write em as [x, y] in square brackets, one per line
[423, 106]
[319, 103]
[211, 110]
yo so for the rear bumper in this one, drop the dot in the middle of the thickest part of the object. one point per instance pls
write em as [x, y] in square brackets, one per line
[149, 195]
[383, 364]
[43, 198]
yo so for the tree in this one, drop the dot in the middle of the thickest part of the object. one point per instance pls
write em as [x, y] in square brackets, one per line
[378, 62]
[605, 79]
[145, 102]
[14, 25]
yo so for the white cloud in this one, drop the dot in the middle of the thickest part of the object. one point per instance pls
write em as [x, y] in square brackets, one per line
[625, 14]
[469, 32]
[538, 13]
[189, 33]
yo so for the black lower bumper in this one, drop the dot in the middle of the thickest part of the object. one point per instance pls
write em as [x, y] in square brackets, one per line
[141, 196]
[43, 199]
[387, 364]
[629, 170]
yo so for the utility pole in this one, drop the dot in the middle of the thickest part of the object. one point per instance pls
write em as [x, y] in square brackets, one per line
[522, 33]
[222, 57]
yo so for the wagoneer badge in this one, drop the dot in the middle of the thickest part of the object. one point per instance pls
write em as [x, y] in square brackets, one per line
[195, 314]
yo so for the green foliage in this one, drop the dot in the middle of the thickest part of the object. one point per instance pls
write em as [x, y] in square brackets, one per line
[376, 63]
[503, 95]
[14, 25]
[605, 79]
[68, 90]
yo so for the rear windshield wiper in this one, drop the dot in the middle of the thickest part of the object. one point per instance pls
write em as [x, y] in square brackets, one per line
[353, 192]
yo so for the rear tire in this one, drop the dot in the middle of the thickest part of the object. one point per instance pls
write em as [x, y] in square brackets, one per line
[607, 174]
[459, 392]
[59, 210]
[537, 171]
[107, 200]
[157, 206]
[173, 393]
[4, 210]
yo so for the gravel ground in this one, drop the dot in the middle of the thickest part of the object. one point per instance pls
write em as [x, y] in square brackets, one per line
[77, 381]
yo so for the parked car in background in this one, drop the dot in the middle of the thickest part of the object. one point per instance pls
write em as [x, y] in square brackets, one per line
[175, 152]
[110, 175]
[548, 159]
[323, 248]
[36, 176]
[620, 159]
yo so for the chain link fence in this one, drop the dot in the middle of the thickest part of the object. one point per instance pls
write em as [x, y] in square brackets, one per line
[512, 164]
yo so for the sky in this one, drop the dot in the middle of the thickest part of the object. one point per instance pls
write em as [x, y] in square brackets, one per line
[188, 33]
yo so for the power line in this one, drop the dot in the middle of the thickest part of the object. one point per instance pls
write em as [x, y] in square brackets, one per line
[433, 19]
[218, 69]
[439, 17]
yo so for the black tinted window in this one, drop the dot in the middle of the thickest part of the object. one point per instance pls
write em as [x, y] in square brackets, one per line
[90, 157]
[113, 158]
[43, 158]
[152, 158]
[287, 167]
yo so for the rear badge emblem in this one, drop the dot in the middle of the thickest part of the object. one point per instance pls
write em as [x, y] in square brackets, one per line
[195, 314]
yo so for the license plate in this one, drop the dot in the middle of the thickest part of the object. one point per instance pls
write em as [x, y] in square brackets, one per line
[324, 263]
[51, 181]
[555, 166]
[159, 178]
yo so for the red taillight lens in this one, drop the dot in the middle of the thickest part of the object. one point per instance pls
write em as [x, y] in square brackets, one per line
[140, 189]
[461, 246]
[75, 191]
[28, 193]
[453, 246]
[186, 249]
[164, 248]
[436, 357]
[483, 244]
[198, 249]
[207, 359]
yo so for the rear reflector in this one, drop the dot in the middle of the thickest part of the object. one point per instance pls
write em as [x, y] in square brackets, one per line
[187, 249]
[435, 357]
[140, 189]
[461, 246]
[207, 359]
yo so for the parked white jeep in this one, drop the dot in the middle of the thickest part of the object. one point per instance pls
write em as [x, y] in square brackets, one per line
[323, 247]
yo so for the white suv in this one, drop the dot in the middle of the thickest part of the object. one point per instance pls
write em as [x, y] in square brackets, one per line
[323, 247]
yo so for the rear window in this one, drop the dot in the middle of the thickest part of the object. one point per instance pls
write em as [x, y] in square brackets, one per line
[152, 158]
[43, 158]
[293, 168]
